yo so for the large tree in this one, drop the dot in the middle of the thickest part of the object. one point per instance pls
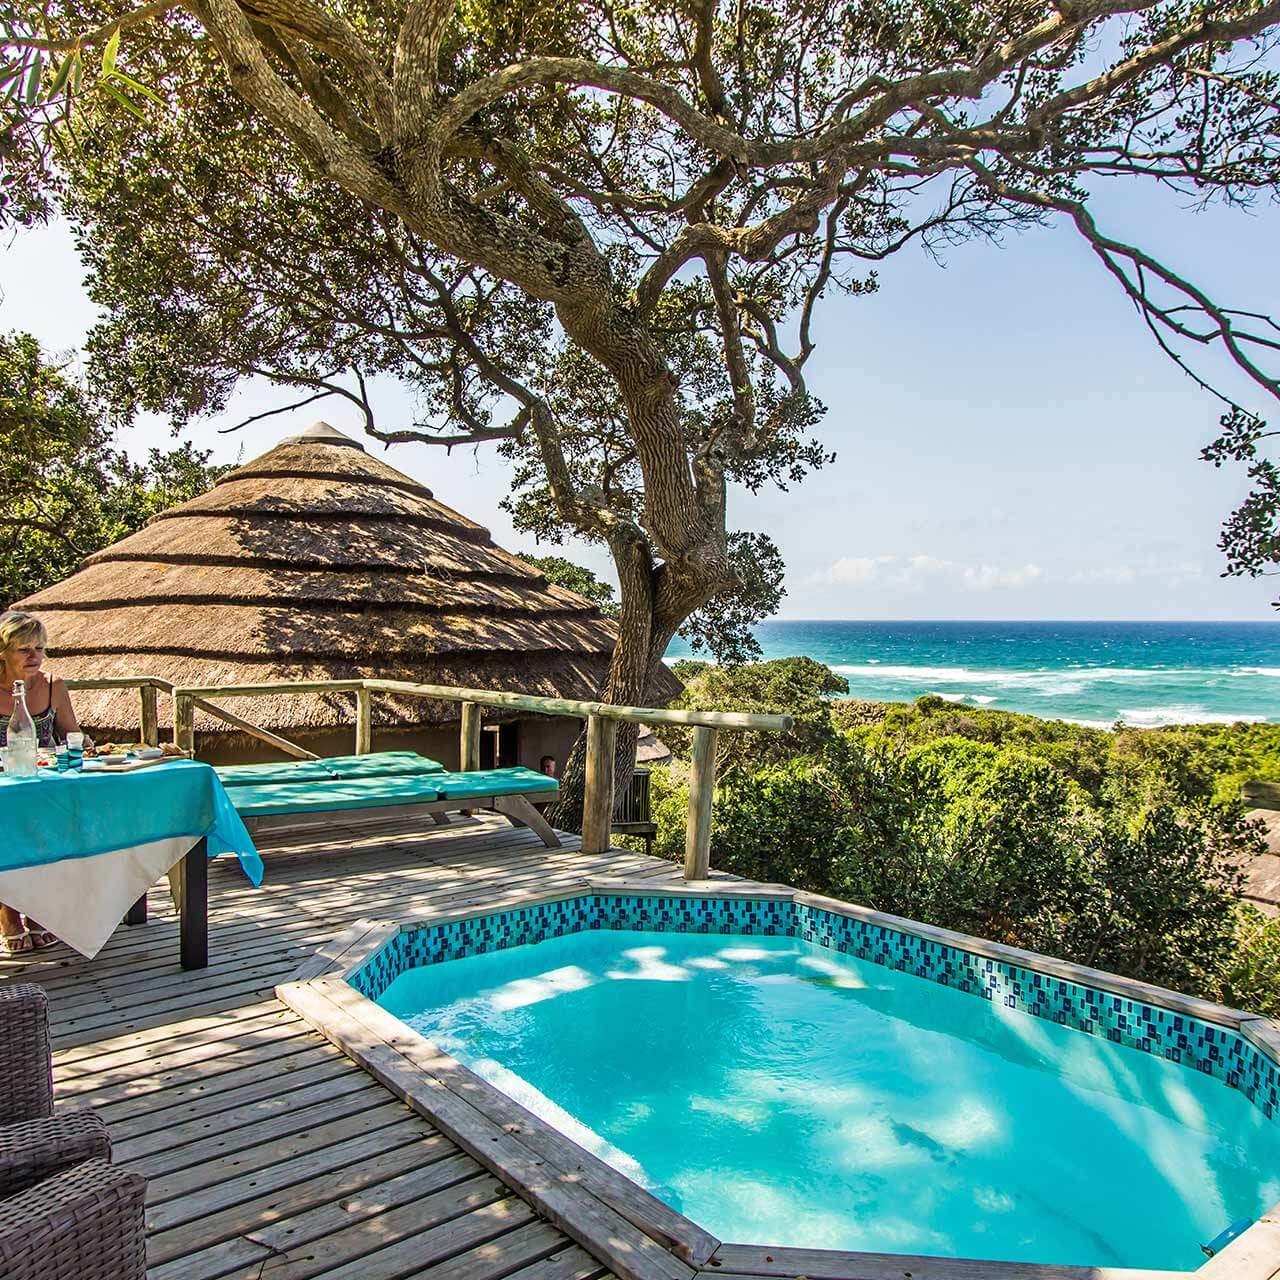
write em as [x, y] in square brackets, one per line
[599, 232]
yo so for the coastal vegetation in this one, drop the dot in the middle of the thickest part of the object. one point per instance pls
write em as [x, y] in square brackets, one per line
[1124, 849]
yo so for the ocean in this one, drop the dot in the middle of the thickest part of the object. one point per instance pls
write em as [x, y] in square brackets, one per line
[1143, 673]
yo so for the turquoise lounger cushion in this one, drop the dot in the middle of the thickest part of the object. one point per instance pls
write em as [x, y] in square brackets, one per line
[246, 775]
[378, 765]
[492, 782]
[269, 799]
[322, 795]
[383, 764]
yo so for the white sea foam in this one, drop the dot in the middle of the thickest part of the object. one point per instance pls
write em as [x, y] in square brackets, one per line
[1045, 684]
[1273, 672]
[974, 675]
[1153, 717]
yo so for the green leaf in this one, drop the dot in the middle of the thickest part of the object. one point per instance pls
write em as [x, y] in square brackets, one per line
[10, 72]
[76, 72]
[119, 77]
[60, 79]
[109, 53]
[127, 103]
[33, 81]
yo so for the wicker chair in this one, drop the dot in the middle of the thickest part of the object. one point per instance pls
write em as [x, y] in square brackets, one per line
[65, 1213]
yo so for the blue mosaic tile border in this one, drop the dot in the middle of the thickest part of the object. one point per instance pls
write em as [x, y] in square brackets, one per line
[1191, 1042]
[1147, 1028]
[522, 925]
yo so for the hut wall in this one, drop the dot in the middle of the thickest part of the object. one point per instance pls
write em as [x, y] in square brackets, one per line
[538, 737]
[545, 736]
[440, 742]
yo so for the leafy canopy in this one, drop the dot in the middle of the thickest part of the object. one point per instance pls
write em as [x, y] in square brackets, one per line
[64, 491]
[601, 232]
[574, 577]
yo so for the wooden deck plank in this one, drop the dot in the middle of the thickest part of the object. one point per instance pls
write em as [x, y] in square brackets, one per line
[190, 1100]
[207, 1228]
[270, 1183]
[141, 1045]
[268, 1153]
[574, 1263]
[183, 1092]
[287, 1100]
[262, 1159]
[498, 1258]
[349, 1096]
[455, 1220]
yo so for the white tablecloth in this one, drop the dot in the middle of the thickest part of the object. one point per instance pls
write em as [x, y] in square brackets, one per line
[83, 900]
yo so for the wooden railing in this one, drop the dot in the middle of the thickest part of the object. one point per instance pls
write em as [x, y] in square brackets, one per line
[602, 720]
[148, 687]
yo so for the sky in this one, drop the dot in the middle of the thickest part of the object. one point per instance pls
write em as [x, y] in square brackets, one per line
[1010, 441]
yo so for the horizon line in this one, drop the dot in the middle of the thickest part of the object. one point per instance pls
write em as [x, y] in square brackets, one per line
[1273, 621]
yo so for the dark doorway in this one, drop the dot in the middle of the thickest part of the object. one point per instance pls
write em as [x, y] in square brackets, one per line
[500, 745]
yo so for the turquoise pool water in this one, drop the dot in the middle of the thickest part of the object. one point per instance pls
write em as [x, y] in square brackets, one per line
[778, 1092]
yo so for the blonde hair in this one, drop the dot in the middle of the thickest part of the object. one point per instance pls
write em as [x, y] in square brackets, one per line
[19, 629]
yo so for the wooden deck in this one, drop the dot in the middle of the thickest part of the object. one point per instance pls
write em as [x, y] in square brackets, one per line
[268, 1154]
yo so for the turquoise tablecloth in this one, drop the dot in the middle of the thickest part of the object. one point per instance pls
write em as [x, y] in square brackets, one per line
[75, 815]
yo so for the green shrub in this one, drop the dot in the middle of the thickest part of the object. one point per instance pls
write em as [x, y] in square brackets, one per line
[1252, 978]
[1121, 849]
[798, 687]
[1164, 903]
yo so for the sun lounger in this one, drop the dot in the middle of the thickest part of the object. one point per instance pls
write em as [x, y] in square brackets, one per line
[357, 783]
[380, 765]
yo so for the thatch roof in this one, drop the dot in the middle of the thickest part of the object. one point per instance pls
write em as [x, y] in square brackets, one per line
[314, 561]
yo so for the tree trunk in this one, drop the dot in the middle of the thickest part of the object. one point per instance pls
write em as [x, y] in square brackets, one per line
[649, 617]
[683, 528]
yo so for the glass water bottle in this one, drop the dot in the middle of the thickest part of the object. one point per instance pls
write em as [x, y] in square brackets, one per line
[20, 762]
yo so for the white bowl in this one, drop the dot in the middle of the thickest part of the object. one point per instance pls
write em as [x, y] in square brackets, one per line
[148, 753]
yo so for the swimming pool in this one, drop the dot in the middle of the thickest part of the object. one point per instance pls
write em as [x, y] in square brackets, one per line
[786, 1071]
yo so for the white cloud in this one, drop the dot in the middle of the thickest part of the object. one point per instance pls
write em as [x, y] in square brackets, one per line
[1114, 575]
[853, 571]
[914, 573]
[984, 577]
[1120, 575]
[920, 572]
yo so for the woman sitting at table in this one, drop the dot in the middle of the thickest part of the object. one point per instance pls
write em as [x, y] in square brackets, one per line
[22, 645]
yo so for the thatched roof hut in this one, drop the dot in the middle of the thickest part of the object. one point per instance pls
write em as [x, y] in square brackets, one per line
[318, 561]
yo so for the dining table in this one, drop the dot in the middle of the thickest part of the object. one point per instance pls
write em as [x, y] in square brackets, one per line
[79, 849]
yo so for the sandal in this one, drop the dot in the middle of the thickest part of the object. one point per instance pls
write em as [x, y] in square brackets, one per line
[16, 944]
[39, 935]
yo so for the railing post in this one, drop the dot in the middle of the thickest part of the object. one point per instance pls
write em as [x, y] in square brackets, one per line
[597, 802]
[364, 722]
[702, 789]
[148, 716]
[184, 723]
[469, 749]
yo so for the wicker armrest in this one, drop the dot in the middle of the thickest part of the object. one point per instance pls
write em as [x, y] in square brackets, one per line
[26, 1072]
[38, 1149]
[85, 1223]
